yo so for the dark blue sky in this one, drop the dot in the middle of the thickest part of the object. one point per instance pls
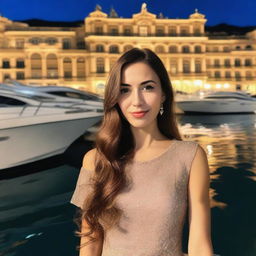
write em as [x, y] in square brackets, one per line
[233, 12]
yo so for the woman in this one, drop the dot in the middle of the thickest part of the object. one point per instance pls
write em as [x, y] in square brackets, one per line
[135, 186]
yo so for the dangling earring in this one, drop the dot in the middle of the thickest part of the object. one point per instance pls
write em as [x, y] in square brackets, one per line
[161, 109]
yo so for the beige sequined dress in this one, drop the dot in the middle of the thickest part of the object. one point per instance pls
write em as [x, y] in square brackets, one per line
[154, 206]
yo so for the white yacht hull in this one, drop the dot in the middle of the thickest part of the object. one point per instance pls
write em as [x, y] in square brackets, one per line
[217, 106]
[28, 139]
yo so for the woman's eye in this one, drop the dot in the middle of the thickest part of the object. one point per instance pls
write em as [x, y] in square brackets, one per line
[123, 90]
[149, 87]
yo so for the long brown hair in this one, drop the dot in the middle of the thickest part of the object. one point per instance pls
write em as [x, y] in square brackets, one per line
[112, 154]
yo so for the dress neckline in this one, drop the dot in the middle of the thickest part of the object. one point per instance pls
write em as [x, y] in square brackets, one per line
[171, 146]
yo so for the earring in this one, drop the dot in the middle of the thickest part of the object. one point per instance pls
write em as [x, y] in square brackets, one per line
[161, 109]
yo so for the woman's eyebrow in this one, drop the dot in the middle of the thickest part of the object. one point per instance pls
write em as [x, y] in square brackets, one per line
[145, 82]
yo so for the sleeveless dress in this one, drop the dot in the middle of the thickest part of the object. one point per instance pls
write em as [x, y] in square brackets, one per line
[154, 205]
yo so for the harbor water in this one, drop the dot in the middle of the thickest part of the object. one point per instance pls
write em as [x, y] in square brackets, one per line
[36, 218]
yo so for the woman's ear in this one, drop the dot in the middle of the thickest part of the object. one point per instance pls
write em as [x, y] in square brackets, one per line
[163, 98]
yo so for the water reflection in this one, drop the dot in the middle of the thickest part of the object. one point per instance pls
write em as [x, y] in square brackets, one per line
[36, 216]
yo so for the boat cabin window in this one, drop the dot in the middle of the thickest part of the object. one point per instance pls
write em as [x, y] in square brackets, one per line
[74, 95]
[6, 101]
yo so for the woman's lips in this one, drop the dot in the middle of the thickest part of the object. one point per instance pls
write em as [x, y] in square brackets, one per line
[139, 114]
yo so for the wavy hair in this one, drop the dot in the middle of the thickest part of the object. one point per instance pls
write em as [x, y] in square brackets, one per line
[112, 154]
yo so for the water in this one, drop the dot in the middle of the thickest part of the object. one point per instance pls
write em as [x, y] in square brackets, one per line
[36, 217]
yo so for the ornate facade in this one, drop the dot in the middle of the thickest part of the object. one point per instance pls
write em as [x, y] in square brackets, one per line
[82, 56]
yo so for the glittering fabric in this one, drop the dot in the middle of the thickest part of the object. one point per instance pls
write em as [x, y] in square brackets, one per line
[154, 204]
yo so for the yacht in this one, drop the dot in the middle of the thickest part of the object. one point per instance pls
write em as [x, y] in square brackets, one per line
[221, 102]
[33, 127]
[59, 94]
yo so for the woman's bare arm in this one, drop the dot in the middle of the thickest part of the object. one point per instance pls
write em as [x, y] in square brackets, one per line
[92, 248]
[200, 243]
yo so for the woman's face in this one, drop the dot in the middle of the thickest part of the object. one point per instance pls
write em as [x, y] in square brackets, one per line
[140, 90]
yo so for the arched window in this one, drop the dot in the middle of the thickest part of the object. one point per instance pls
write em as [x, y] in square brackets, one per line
[159, 49]
[173, 49]
[99, 48]
[185, 49]
[113, 49]
[248, 47]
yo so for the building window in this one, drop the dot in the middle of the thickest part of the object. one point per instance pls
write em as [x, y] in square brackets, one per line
[20, 76]
[185, 49]
[173, 49]
[238, 87]
[226, 49]
[143, 31]
[159, 49]
[237, 62]
[215, 49]
[172, 31]
[99, 48]
[237, 76]
[227, 63]
[238, 47]
[186, 66]
[6, 64]
[127, 32]
[248, 47]
[100, 68]
[216, 63]
[159, 32]
[66, 43]
[67, 74]
[248, 75]
[184, 31]
[20, 44]
[80, 45]
[198, 49]
[113, 31]
[227, 74]
[51, 40]
[6, 76]
[198, 67]
[35, 40]
[197, 31]
[248, 62]
[98, 30]
[20, 64]
[113, 49]
[173, 66]
[217, 74]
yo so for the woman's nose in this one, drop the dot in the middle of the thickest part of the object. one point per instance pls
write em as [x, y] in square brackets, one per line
[137, 97]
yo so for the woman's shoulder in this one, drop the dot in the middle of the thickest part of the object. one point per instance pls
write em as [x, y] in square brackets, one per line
[89, 159]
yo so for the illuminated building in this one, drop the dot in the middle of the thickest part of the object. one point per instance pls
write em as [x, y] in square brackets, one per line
[82, 56]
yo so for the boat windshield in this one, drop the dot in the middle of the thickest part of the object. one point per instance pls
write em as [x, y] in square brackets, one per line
[7, 101]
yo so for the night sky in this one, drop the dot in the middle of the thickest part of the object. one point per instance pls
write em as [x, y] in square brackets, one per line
[233, 12]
